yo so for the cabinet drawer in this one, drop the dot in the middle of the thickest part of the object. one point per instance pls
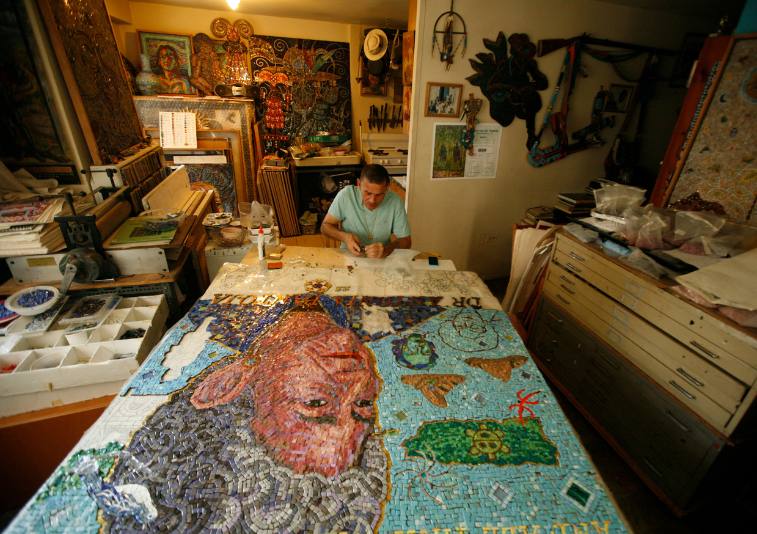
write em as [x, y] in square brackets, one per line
[694, 370]
[706, 334]
[567, 355]
[701, 346]
[668, 443]
[701, 404]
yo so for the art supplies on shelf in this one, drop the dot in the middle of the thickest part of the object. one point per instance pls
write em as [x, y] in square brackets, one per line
[65, 365]
[90, 310]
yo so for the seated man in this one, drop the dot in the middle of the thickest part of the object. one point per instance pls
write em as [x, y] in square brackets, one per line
[373, 219]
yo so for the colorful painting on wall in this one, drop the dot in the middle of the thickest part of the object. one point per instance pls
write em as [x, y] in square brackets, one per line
[316, 413]
[306, 89]
[449, 152]
[170, 58]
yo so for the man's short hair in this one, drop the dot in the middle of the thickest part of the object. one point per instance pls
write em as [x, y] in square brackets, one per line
[376, 174]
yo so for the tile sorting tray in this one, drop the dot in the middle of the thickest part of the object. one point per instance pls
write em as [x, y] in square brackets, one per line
[59, 367]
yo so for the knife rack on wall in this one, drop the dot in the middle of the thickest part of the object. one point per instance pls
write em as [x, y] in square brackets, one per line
[383, 116]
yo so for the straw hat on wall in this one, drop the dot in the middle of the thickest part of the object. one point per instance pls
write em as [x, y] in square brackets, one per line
[375, 44]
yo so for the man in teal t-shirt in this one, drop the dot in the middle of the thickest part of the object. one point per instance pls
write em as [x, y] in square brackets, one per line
[372, 218]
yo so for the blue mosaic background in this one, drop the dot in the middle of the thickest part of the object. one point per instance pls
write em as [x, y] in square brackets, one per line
[425, 494]
[536, 499]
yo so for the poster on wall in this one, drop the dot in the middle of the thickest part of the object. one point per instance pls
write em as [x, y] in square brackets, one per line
[452, 161]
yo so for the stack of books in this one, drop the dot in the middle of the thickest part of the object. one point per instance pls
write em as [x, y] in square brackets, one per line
[575, 204]
[27, 227]
[538, 213]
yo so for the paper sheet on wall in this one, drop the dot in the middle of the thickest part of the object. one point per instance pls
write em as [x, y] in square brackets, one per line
[452, 161]
[178, 129]
[483, 162]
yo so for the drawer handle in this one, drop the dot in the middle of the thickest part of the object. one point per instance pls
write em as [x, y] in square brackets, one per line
[567, 280]
[555, 318]
[690, 379]
[683, 391]
[676, 421]
[566, 301]
[652, 467]
[572, 267]
[576, 256]
[708, 352]
[570, 291]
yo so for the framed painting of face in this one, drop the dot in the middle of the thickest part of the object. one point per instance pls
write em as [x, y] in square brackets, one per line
[170, 59]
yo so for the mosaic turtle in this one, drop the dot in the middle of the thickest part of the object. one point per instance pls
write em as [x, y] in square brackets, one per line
[487, 442]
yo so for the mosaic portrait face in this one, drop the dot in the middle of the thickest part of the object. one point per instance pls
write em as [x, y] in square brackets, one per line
[314, 387]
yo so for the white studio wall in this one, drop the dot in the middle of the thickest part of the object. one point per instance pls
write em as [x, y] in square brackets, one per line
[470, 221]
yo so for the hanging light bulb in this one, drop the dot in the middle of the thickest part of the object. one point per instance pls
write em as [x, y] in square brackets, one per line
[233, 4]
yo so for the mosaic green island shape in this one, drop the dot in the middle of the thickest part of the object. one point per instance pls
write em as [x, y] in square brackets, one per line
[483, 441]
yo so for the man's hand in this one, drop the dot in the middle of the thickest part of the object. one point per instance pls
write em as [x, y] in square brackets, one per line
[353, 244]
[376, 250]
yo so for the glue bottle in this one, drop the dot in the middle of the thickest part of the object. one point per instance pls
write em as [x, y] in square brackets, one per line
[261, 244]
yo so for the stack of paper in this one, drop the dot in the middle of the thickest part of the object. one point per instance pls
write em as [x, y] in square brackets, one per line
[531, 248]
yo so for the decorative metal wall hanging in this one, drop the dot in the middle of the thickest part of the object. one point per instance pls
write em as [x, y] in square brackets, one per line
[447, 40]
[510, 82]
[236, 66]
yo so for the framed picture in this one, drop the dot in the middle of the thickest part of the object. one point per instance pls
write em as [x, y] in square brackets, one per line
[170, 58]
[618, 98]
[443, 99]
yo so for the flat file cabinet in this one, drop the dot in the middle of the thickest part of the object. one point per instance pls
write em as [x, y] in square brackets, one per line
[669, 384]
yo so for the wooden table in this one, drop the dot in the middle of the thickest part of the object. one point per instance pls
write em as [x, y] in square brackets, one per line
[444, 421]
[32, 444]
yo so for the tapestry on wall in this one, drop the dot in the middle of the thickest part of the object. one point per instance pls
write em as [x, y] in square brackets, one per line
[316, 413]
[720, 165]
[305, 87]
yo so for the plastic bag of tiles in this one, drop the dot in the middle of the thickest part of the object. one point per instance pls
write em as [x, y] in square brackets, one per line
[90, 309]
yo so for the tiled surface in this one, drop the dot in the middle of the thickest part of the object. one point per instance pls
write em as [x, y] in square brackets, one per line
[325, 412]
[720, 165]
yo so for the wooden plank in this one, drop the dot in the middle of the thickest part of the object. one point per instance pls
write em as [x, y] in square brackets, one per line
[171, 193]
[108, 222]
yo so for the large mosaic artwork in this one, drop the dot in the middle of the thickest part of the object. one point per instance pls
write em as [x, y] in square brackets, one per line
[326, 413]
[720, 166]
[305, 86]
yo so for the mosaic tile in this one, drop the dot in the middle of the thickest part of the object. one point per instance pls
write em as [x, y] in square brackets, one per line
[318, 413]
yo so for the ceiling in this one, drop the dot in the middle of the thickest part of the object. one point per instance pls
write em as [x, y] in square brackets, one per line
[385, 13]
[393, 13]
